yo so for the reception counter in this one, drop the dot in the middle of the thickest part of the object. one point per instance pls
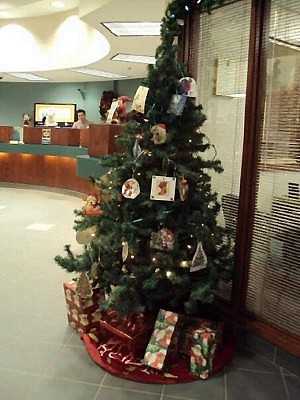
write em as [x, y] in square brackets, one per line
[61, 166]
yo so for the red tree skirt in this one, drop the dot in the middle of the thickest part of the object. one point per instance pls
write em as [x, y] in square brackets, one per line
[127, 366]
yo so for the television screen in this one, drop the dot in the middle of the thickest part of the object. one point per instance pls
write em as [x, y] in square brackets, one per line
[54, 114]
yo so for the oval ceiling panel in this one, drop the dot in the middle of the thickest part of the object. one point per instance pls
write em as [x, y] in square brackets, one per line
[43, 44]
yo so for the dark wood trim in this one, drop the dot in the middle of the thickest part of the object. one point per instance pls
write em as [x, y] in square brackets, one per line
[236, 310]
[279, 337]
[188, 41]
[260, 14]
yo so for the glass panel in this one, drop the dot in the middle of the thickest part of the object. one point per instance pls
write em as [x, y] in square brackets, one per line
[222, 78]
[274, 279]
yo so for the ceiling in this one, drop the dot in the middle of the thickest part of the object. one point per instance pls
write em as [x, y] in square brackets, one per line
[50, 42]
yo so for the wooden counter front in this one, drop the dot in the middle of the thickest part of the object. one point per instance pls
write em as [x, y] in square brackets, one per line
[6, 133]
[43, 165]
[84, 137]
[33, 169]
[102, 139]
[59, 136]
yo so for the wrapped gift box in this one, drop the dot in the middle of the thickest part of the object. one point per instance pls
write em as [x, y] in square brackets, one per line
[202, 352]
[83, 314]
[128, 334]
[199, 324]
[160, 340]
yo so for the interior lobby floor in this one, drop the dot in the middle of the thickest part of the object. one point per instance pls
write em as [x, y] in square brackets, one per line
[42, 357]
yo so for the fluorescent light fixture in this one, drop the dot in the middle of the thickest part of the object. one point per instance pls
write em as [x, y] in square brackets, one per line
[133, 28]
[27, 76]
[236, 95]
[57, 4]
[292, 45]
[96, 72]
[134, 58]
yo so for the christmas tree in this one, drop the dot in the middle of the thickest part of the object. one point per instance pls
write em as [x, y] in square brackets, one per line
[157, 243]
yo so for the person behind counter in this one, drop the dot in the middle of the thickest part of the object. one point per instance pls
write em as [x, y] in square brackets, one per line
[82, 122]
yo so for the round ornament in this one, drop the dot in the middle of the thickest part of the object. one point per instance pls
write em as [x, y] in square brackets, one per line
[131, 189]
[188, 86]
[86, 236]
[162, 240]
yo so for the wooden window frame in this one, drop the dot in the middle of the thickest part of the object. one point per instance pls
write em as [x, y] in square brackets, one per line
[254, 112]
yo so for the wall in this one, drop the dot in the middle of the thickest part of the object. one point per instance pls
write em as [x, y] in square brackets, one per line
[127, 87]
[17, 98]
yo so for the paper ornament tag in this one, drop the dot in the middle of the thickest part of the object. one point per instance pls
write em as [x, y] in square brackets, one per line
[163, 188]
[162, 240]
[86, 236]
[125, 251]
[131, 188]
[139, 99]
[188, 86]
[183, 188]
[177, 104]
[94, 270]
[199, 260]
[111, 111]
[136, 151]
[83, 286]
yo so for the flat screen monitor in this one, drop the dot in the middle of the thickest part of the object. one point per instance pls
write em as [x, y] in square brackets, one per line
[54, 114]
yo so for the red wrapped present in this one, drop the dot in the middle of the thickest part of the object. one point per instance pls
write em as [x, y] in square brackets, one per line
[128, 334]
[83, 313]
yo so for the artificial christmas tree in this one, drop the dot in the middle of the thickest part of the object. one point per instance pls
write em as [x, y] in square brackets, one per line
[157, 243]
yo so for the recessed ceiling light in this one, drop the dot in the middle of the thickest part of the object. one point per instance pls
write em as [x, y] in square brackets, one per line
[134, 58]
[96, 72]
[27, 76]
[4, 14]
[57, 4]
[133, 28]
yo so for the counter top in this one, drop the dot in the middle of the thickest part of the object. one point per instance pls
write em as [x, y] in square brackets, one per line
[43, 149]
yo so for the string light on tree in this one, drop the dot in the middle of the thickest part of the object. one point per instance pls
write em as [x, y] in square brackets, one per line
[162, 265]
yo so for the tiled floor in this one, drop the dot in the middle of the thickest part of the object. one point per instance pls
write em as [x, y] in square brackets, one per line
[42, 358]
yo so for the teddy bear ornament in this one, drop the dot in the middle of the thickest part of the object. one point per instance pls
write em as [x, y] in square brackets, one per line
[159, 133]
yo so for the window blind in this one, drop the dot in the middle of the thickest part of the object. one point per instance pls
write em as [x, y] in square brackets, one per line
[273, 291]
[222, 76]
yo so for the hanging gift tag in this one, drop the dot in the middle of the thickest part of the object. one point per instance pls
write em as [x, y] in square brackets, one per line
[177, 104]
[86, 236]
[83, 286]
[124, 251]
[111, 111]
[163, 188]
[136, 151]
[131, 188]
[140, 99]
[199, 260]
[94, 270]
[183, 188]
